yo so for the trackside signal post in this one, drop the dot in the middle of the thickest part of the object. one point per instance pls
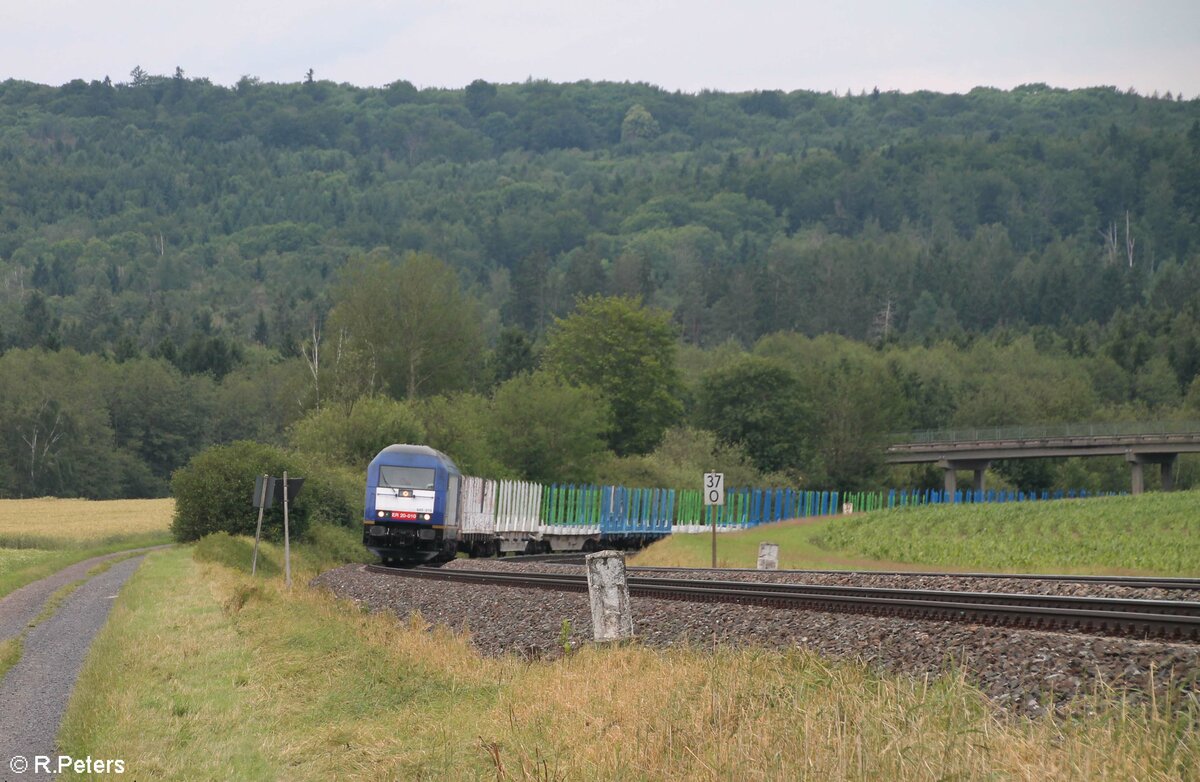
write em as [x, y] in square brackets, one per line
[714, 495]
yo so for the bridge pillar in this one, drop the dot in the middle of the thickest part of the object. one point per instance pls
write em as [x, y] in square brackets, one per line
[1139, 480]
[951, 466]
[1165, 461]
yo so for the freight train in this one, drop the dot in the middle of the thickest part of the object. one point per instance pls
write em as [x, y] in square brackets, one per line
[421, 508]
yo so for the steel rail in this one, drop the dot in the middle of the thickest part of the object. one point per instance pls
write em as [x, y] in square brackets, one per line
[1115, 616]
[1137, 582]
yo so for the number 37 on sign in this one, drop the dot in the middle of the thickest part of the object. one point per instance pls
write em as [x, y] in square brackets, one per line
[714, 488]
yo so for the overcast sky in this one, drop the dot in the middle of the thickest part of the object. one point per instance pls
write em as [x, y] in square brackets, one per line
[943, 45]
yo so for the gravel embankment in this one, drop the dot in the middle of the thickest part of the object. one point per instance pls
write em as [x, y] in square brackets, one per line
[36, 690]
[1013, 666]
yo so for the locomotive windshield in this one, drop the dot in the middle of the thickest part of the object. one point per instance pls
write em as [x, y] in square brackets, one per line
[405, 477]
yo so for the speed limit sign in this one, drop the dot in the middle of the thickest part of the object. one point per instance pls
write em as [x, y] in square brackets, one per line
[714, 488]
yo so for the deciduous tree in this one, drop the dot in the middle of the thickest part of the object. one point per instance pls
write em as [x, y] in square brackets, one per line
[627, 353]
[413, 321]
[547, 430]
[759, 404]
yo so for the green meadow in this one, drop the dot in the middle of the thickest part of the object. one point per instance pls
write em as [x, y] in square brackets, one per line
[1151, 533]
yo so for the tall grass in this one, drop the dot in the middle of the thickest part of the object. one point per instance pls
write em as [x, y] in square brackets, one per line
[204, 673]
[51, 523]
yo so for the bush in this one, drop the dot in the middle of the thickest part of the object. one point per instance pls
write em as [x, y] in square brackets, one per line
[213, 493]
[333, 493]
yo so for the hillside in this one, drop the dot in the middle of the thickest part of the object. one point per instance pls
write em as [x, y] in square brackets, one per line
[160, 207]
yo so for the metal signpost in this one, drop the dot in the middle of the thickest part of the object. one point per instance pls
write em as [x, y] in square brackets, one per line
[268, 491]
[714, 495]
[264, 497]
[287, 544]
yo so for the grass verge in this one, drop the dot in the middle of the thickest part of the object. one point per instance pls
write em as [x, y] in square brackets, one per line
[324, 546]
[10, 653]
[797, 540]
[205, 673]
[1153, 533]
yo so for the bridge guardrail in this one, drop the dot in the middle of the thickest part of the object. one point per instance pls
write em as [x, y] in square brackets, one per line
[1045, 432]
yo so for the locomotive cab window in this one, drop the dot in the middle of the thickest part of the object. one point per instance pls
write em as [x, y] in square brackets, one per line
[405, 477]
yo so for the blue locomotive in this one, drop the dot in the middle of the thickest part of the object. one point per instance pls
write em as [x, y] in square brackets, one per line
[412, 505]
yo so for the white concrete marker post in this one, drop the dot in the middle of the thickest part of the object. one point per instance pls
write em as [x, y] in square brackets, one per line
[768, 556]
[608, 592]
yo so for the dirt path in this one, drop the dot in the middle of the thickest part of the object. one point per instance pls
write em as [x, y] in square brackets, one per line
[35, 692]
[19, 607]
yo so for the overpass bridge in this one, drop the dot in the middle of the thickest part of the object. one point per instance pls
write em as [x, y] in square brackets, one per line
[974, 450]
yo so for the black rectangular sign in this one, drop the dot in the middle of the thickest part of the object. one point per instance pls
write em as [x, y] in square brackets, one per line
[275, 490]
[293, 488]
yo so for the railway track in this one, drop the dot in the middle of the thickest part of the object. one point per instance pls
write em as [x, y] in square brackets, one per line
[1133, 582]
[1138, 582]
[1163, 619]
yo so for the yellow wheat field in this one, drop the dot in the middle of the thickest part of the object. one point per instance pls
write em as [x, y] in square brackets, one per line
[50, 522]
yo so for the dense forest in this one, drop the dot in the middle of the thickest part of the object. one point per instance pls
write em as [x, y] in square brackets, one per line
[184, 264]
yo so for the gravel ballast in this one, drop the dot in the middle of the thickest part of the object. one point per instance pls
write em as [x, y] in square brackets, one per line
[996, 583]
[1019, 669]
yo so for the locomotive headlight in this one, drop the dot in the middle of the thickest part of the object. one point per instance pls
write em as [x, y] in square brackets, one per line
[381, 514]
[427, 517]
